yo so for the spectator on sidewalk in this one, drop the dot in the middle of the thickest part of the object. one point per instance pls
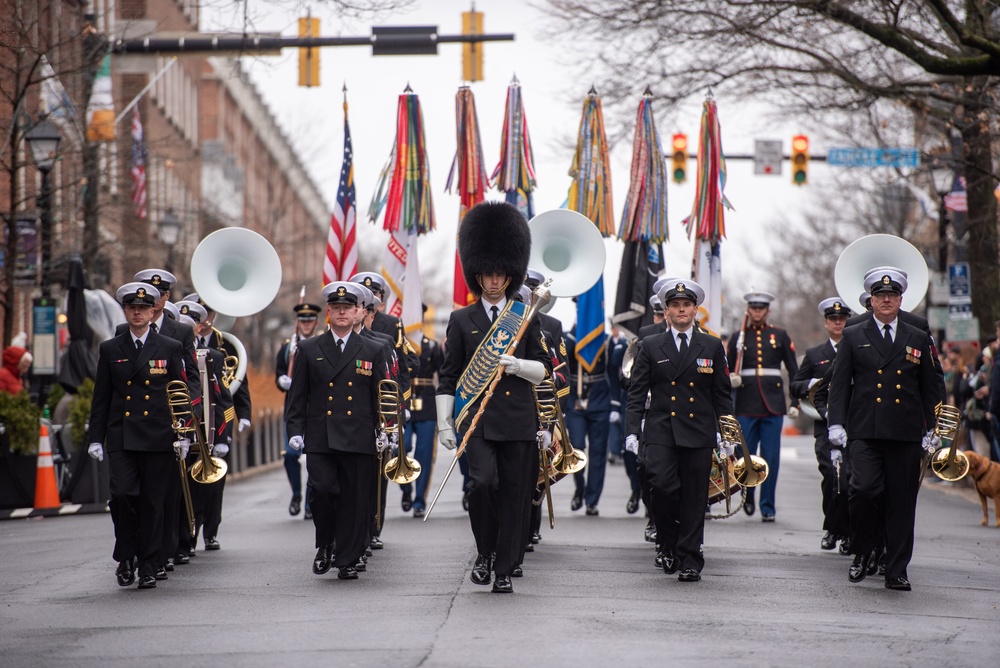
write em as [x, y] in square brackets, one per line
[16, 361]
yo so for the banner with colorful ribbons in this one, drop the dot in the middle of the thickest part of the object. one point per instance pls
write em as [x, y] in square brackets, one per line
[707, 220]
[590, 194]
[644, 217]
[515, 172]
[404, 186]
[470, 171]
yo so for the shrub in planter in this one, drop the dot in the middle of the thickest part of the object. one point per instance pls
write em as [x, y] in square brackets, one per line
[18, 458]
[20, 419]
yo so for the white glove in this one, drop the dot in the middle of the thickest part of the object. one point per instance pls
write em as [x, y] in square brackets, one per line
[736, 380]
[615, 417]
[445, 406]
[220, 450]
[296, 443]
[181, 447]
[836, 456]
[532, 371]
[406, 415]
[931, 442]
[382, 441]
[96, 450]
[813, 381]
[726, 448]
[544, 438]
[244, 423]
[837, 435]
[284, 381]
[632, 444]
[793, 412]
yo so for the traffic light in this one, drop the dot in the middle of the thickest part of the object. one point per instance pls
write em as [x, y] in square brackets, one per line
[308, 56]
[800, 160]
[679, 156]
[472, 52]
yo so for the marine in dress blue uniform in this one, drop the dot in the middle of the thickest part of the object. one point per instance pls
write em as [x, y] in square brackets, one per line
[760, 393]
[420, 428]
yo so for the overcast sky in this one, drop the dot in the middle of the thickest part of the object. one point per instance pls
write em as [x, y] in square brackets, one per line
[313, 119]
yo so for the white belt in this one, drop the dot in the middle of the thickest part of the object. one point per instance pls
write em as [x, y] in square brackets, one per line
[760, 372]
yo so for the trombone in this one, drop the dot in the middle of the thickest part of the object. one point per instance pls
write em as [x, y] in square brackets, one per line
[949, 464]
[750, 470]
[207, 469]
[401, 469]
[546, 405]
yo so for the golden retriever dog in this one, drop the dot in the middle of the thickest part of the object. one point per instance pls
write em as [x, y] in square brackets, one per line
[986, 473]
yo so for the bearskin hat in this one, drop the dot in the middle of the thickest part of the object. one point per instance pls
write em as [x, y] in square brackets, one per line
[494, 238]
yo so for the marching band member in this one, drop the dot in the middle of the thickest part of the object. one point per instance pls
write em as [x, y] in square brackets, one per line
[685, 374]
[130, 416]
[494, 244]
[815, 369]
[423, 418]
[306, 319]
[333, 413]
[760, 398]
[883, 395]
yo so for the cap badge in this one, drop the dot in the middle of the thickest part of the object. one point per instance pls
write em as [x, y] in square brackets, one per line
[368, 281]
[141, 293]
[341, 292]
[836, 306]
[680, 287]
[885, 280]
[185, 309]
[156, 279]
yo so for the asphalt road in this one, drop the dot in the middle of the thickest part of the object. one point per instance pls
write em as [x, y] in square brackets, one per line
[590, 596]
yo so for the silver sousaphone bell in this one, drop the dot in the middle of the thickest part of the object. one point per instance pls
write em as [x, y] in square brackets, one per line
[568, 248]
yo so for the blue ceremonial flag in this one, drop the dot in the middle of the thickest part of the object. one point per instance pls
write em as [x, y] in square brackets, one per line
[590, 336]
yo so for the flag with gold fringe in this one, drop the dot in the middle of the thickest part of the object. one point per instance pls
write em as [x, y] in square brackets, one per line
[590, 194]
[515, 172]
[708, 220]
[468, 175]
[404, 193]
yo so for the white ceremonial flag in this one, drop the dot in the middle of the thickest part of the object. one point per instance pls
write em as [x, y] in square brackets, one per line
[401, 268]
[707, 272]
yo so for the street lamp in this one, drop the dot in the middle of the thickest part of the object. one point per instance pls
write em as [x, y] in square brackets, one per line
[943, 178]
[43, 142]
[170, 232]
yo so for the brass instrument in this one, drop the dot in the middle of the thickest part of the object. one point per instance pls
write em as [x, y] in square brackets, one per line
[230, 367]
[546, 405]
[401, 469]
[749, 470]
[808, 405]
[949, 463]
[207, 469]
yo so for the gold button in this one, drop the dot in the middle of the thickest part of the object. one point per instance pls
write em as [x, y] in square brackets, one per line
[329, 398]
[126, 413]
[147, 382]
[145, 413]
[779, 383]
[899, 372]
[899, 387]
[690, 415]
[878, 399]
[897, 401]
[350, 384]
[691, 384]
[350, 398]
[331, 384]
[329, 412]
[507, 393]
[348, 412]
[880, 372]
[128, 398]
[691, 400]
[147, 397]
[879, 385]
[673, 398]
[673, 415]
[130, 382]
[673, 383]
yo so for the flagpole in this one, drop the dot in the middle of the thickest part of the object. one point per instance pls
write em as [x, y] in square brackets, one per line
[135, 100]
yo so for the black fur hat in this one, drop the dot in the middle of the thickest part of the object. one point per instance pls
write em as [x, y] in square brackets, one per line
[494, 237]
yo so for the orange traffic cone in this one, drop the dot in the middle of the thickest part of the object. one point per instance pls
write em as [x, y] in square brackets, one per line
[46, 493]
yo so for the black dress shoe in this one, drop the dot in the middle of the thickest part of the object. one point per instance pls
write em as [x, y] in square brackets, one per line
[161, 573]
[169, 566]
[465, 502]
[347, 573]
[859, 568]
[766, 517]
[323, 560]
[536, 538]
[147, 582]
[368, 552]
[881, 565]
[407, 503]
[689, 575]
[650, 533]
[899, 584]
[295, 506]
[517, 572]
[309, 514]
[377, 543]
[577, 501]
[125, 573]
[212, 544]
[419, 512]
[481, 570]
[632, 507]
[658, 559]
[845, 545]
[361, 566]
[749, 506]
[529, 547]
[828, 541]
[669, 563]
[181, 558]
[877, 555]
[593, 511]
[503, 585]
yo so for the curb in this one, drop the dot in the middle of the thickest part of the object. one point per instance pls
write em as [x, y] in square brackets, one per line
[65, 509]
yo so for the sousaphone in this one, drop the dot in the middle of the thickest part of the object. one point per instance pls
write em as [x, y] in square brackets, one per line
[879, 250]
[568, 248]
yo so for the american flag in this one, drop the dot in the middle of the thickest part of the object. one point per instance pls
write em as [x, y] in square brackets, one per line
[138, 166]
[341, 260]
[957, 200]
